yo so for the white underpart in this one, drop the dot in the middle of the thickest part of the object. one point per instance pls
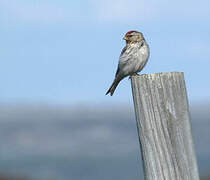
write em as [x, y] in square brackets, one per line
[133, 59]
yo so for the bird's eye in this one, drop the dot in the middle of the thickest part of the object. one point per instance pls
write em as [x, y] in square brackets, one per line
[129, 35]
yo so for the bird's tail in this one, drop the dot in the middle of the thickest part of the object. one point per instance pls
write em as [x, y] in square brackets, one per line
[113, 86]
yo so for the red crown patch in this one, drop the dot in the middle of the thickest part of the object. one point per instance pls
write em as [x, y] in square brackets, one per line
[129, 32]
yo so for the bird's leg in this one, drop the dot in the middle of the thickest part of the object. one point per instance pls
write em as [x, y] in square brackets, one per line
[134, 74]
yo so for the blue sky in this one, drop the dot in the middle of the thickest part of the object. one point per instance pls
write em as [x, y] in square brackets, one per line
[67, 52]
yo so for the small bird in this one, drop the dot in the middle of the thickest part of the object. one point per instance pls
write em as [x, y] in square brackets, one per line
[133, 58]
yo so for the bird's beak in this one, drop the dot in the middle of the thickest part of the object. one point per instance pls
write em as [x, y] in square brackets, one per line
[126, 38]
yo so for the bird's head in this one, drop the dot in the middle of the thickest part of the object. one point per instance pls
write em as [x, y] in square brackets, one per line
[133, 36]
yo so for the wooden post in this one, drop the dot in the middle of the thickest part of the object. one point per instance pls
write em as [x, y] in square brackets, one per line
[164, 127]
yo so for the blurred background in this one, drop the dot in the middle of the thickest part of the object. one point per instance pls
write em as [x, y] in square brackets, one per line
[57, 60]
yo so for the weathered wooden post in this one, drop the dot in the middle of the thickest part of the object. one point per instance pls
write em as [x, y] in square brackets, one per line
[164, 127]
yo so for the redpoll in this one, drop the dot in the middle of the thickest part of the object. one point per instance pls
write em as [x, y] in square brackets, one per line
[133, 58]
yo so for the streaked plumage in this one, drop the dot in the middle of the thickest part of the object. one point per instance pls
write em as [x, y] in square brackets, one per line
[133, 58]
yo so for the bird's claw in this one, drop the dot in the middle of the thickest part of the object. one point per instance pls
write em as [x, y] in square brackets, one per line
[134, 74]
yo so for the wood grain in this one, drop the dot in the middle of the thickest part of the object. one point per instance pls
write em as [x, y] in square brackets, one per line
[164, 127]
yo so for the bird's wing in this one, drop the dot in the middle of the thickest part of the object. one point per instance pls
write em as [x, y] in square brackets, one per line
[121, 54]
[123, 50]
[129, 54]
[125, 57]
[117, 72]
[127, 61]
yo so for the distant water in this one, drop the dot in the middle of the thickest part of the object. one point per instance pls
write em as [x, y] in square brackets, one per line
[81, 144]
